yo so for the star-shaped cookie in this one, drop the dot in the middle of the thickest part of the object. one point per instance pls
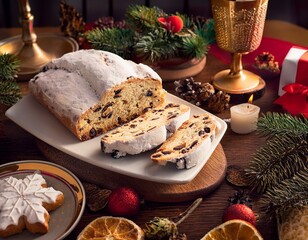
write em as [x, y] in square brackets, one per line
[24, 203]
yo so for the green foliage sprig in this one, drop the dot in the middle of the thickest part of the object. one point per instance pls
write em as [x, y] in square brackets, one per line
[277, 124]
[281, 158]
[116, 40]
[278, 170]
[150, 40]
[143, 19]
[157, 45]
[194, 47]
[9, 90]
[291, 193]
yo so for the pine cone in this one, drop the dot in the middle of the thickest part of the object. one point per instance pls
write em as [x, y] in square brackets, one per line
[218, 102]
[71, 22]
[202, 95]
[194, 92]
[207, 91]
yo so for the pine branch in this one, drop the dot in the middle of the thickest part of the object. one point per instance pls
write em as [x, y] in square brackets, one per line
[9, 66]
[188, 21]
[279, 159]
[291, 193]
[143, 19]
[194, 47]
[157, 45]
[273, 124]
[116, 40]
[279, 170]
[9, 90]
[205, 29]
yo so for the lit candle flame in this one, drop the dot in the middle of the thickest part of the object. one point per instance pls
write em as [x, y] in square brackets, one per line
[250, 99]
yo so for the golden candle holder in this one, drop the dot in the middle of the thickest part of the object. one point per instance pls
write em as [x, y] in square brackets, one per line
[34, 51]
[239, 29]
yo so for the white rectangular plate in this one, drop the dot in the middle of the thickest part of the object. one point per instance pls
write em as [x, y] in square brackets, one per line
[36, 119]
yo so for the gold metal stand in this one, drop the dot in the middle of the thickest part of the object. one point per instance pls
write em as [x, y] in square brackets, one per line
[31, 56]
[34, 51]
[239, 28]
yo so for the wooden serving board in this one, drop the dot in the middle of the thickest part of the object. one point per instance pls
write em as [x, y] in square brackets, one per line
[209, 178]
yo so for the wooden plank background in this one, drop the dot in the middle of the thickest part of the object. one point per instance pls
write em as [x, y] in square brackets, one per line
[46, 12]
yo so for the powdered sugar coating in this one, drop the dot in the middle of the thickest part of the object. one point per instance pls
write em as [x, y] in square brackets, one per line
[103, 70]
[192, 158]
[189, 144]
[74, 83]
[65, 91]
[138, 144]
[151, 130]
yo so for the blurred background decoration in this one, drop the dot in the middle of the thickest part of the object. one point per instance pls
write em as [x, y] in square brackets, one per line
[31, 50]
[293, 11]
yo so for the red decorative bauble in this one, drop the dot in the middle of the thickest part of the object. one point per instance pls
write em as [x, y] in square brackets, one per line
[172, 23]
[239, 211]
[124, 202]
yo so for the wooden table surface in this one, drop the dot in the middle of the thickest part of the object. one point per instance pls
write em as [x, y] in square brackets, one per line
[17, 144]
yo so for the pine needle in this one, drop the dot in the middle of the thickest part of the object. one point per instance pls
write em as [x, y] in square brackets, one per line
[9, 90]
[291, 193]
[157, 45]
[142, 18]
[194, 47]
[205, 29]
[116, 40]
[279, 159]
[9, 66]
[278, 171]
[273, 124]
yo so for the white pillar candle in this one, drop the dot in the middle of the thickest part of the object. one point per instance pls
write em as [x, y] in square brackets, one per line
[244, 118]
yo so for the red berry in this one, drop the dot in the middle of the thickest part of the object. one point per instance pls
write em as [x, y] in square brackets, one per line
[123, 201]
[239, 211]
[172, 23]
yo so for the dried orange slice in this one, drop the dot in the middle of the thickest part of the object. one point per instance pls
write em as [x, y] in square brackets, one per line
[233, 230]
[115, 228]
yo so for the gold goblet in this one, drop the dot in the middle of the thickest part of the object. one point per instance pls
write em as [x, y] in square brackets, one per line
[239, 29]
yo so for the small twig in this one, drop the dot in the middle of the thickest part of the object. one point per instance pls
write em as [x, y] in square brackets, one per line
[181, 217]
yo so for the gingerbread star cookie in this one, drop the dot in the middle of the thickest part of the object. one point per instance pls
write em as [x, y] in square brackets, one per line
[24, 203]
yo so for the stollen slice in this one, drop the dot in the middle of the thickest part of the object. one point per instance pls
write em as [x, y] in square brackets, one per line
[146, 131]
[189, 144]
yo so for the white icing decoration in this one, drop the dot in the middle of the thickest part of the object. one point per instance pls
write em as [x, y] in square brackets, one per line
[24, 197]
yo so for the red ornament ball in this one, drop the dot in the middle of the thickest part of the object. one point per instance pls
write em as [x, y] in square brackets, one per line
[239, 211]
[172, 23]
[123, 202]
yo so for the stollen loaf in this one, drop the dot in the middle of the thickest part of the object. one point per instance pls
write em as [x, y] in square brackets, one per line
[145, 132]
[93, 91]
[189, 144]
